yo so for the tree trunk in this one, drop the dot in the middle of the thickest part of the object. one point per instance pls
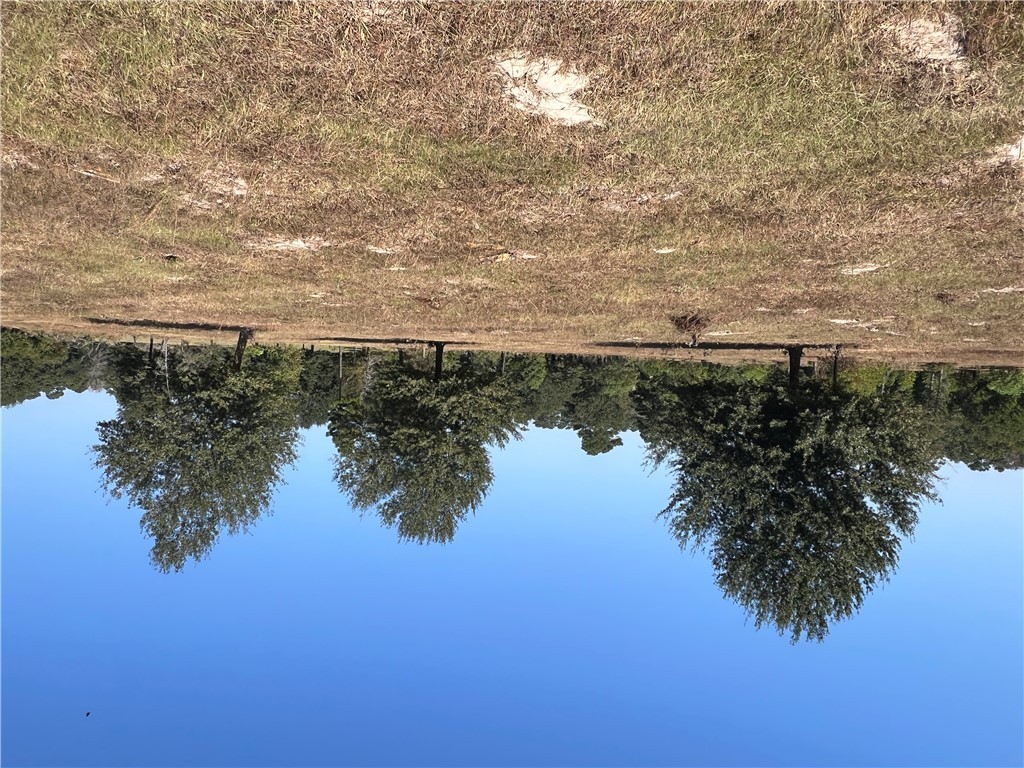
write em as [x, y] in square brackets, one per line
[438, 359]
[795, 353]
[166, 354]
[243, 338]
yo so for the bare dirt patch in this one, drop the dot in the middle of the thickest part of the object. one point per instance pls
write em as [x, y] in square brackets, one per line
[1007, 289]
[217, 187]
[545, 86]
[932, 61]
[283, 243]
[938, 41]
[861, 269]
[12, 161]
[372, 12]
[1009, 155]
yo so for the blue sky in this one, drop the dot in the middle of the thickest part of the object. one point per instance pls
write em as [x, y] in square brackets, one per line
[562, 626]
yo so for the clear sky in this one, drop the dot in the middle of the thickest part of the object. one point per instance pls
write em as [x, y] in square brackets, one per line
[562, 626]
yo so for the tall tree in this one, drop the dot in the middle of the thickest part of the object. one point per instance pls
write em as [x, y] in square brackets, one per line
[414, 449]
[319, 386]
[586, 394]
[982, 419]
[800, 495]
[197, 445]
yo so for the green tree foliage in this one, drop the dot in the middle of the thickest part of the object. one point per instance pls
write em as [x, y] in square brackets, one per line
[319, 387]
[799, 497]
[37, 364]
[877, 379]
[981, 418]
[415, 450]
[588, 395]
[973, 416]
[197, 446]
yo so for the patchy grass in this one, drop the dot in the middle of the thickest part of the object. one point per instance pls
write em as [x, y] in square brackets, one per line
[199, 236]
[749, 153]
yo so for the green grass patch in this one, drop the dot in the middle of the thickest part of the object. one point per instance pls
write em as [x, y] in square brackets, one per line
[187, 233]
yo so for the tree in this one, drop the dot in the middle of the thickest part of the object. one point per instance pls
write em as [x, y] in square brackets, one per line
[982, 419]
[601, 409]
[799, 495]
[35, 364]
[197, 445]
[415, 449]
[319, 387]
[585, 394]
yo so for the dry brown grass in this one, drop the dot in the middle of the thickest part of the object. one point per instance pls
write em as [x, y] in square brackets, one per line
[770, 146]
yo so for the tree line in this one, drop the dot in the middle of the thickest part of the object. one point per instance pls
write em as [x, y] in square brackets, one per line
[975, 417]
[799, 495]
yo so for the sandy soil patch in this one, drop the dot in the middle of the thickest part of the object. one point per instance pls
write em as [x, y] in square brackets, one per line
[545, 86]
[509, 254]
[930, 62]
[1003, 159]
[219, 184]
[937, 42]
[12, 161]
[1007, 154]
[861, 269]
[378, 11]
[869, 325]
[218, 188]
[280, 243]
[1008, 289]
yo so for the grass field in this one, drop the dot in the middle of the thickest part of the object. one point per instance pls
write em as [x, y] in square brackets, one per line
[318, 170]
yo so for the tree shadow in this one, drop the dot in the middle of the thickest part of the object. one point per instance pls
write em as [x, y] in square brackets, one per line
[168, 324]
